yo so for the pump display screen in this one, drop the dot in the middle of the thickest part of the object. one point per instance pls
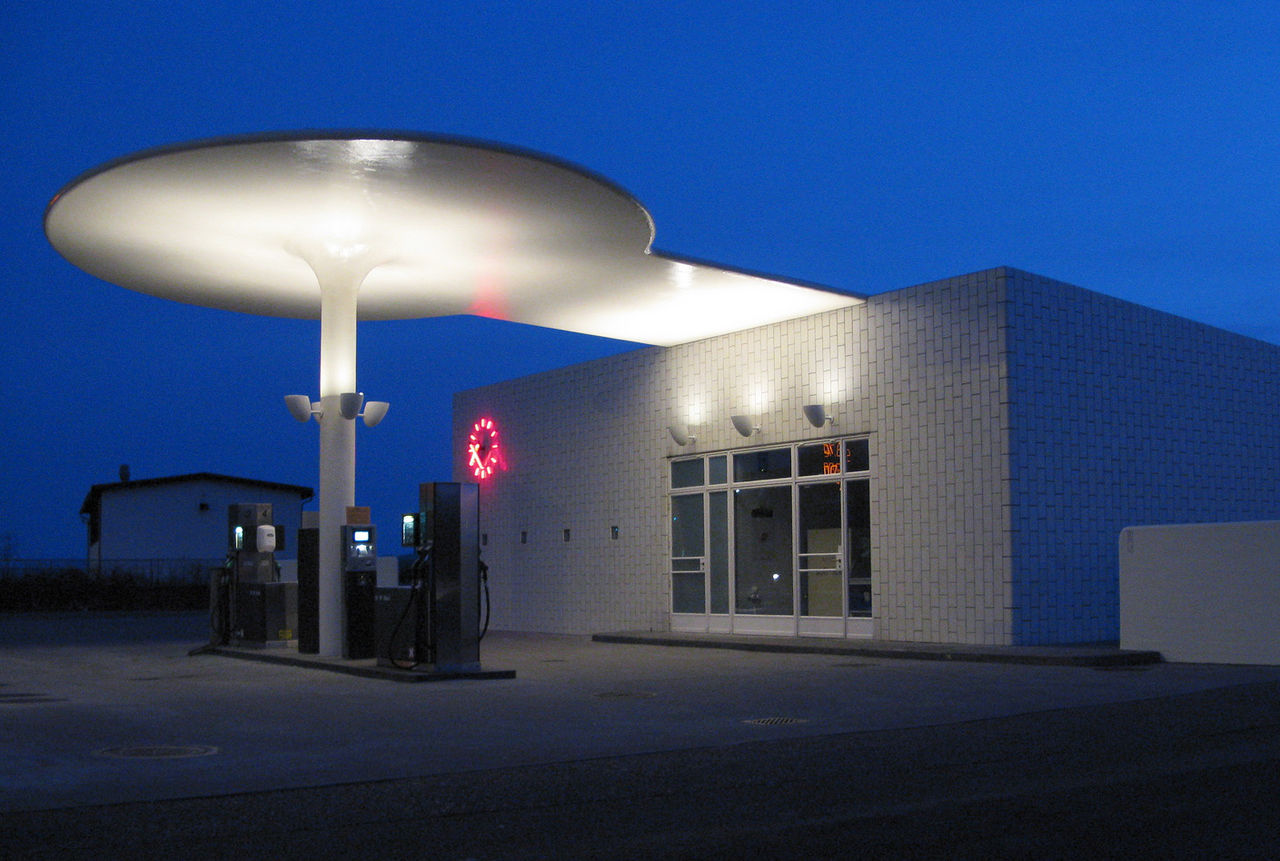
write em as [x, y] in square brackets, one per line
[360, 548]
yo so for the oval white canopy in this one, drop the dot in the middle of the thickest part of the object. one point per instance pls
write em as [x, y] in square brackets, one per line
[455, 227]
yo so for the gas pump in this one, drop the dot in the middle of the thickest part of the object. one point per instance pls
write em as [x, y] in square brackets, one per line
[359, 580]
[248, 604]
[432, 623]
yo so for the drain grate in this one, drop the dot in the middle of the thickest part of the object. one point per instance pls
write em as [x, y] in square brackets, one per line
[775, 721]
[159, 751]
[624, 695]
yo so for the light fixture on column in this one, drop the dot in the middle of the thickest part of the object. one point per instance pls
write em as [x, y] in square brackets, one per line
[303, 408]
[745, 425]
[349, 404]
[817, 415]
[680, 434]
[374, 411]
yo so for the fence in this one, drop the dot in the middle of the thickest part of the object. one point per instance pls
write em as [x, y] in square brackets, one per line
[149, 570]
[113, 584]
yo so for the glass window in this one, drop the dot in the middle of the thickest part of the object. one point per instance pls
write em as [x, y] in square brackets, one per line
[717, 469]
[858, 546]
[686, 473]
[688, 591]
[797, 526]
[857, 455]
[821, 458]
[718, 552]
[819, 556]
[686, 525]
[762, 550]
[760, 465]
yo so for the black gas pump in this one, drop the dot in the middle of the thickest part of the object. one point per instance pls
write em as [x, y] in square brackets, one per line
[359, 580]
[432, 621]
[247, 603]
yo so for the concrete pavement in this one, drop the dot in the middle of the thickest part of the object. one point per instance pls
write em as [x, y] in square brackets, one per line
[103, 727]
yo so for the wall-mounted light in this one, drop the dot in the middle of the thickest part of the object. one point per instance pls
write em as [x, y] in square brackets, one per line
[817, 415]
[745, 425]
[303, 408]
[680, 434]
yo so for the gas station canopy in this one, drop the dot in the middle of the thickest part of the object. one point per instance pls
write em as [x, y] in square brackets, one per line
[449, 226]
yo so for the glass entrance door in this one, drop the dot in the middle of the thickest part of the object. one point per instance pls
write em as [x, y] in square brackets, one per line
[764, 599]
[773, 540]
[820, 559]
[700, 562]
[688, 554]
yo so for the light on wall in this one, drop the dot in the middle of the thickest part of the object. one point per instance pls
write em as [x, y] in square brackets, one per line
[680, 434]
[745, 425]
[817, 415]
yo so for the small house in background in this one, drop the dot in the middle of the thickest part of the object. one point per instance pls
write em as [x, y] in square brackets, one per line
[177, 523]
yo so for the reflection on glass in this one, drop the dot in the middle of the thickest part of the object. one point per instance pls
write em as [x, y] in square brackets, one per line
[762, 548]
[718, 552]
[759, 465]
[686, 525]
[819, 556]
[857, 455]
[822, 458]
[686, 473]
[687, 587]
[858, 509]
[717, 469]
[687, 592]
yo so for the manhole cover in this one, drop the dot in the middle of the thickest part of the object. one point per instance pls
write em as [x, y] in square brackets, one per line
[775, 721]
[624, 695]
[851, 664]
[1123, 668]
[555, 660]
[159, 751]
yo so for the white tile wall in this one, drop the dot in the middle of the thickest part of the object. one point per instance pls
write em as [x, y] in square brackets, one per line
[940, 525]
[998, 404]
[1122, 416]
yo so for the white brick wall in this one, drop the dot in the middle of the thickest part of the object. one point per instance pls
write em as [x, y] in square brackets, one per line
[1124, 416]
[940, 528]
[1009, 416]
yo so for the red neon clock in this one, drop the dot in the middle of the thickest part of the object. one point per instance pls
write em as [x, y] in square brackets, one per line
[483, 456]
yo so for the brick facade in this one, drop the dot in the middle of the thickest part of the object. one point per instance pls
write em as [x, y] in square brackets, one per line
[1016, 424]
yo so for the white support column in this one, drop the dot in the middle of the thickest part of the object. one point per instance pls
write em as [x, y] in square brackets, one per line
[340, 279]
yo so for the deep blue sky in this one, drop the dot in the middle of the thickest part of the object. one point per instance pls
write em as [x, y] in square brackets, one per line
[1129, 147]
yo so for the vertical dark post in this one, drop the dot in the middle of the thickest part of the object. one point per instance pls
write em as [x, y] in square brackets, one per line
[309, 591]
[451, 513]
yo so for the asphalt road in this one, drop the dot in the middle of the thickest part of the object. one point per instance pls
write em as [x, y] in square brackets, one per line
[974, 762]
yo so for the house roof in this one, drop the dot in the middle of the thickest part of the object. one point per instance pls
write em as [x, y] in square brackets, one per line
[94, 497]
